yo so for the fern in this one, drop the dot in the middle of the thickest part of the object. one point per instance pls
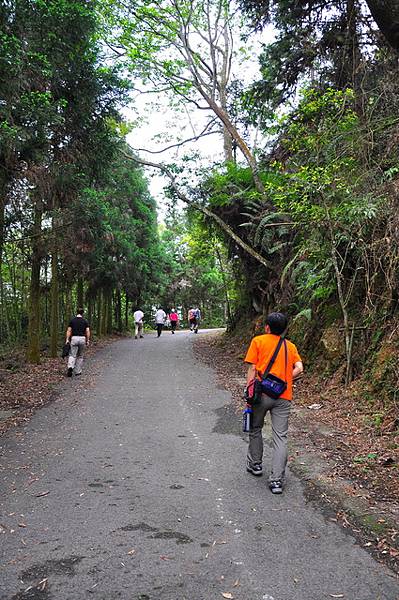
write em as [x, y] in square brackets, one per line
[306, 313]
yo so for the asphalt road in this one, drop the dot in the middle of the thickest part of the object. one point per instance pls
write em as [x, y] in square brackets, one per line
[132, 485]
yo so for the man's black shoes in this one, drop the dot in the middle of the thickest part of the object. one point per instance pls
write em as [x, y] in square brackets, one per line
[255, 469]
[69, 372]
[276, 487]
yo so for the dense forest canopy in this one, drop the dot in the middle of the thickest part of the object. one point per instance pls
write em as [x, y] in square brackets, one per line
[298, 212]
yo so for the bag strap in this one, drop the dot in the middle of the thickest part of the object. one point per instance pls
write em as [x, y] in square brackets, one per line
[273, 358]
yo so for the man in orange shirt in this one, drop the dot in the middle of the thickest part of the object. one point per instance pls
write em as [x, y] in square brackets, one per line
[286, 367]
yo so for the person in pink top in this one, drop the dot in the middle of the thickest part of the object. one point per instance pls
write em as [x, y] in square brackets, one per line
[174, 319]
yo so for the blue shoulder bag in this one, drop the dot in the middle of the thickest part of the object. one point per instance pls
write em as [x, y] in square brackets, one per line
[271, 385]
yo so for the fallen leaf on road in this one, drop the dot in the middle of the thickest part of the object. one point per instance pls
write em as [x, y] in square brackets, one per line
[42, 585]
[21, 525]
[132, 551]
[337, 595]
[227, 595]
[42, 494]
[236, 583]
[163, 557]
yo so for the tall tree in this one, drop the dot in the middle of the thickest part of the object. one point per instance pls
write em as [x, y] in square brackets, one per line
[186, 48]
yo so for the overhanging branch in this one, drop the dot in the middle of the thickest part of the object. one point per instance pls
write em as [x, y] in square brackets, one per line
[195, 138]
[222, 224]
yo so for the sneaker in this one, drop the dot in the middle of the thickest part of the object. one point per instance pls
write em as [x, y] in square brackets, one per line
[135, 337]
[69, 373]
[276, 487]
[141, 337]
[255, 469]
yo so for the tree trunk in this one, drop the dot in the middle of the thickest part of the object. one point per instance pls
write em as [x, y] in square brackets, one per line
[3, 201]
[226, 292]
[342, 302]
[33, 350]
[54, 292]
[118, 310]
[69, 312]
[3, 188]
[99, 311]
[224, 80]
[386, 15]
[109, 311]
[351, 66]
[233, 132]
[126, 311]
[90, 302]
[104, 312]
[80, 293]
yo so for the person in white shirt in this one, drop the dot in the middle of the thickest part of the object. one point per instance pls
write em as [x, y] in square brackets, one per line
[160, 317]
[138, 316]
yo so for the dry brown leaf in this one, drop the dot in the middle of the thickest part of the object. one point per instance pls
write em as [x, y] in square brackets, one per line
[236, 583]
[42, 494]
[337, 596]
[132, 551]
[227, 595]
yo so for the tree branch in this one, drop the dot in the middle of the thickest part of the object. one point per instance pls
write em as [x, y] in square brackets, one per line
[226, 228]
[178, 144]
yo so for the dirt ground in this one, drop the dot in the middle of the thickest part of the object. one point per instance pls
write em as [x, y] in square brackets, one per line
[25, 388]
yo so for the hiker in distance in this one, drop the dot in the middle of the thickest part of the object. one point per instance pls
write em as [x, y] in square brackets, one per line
[78, 335]
[138, 317]
[194, 316]
[160, 317]
[174, 319]
[274, 363]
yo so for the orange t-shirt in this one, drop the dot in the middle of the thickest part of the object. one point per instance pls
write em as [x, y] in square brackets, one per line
[260, 352]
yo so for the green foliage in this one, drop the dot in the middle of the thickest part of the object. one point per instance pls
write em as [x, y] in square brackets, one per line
[61, 164]
[199, 272]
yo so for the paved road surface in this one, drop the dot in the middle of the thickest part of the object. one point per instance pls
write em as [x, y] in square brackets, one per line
[132, 485]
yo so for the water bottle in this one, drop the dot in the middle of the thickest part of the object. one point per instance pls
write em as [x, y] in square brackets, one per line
[247, 418]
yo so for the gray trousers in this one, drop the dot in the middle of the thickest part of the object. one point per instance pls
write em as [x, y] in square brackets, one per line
[75, 360]
[279, 413]
[138, 328]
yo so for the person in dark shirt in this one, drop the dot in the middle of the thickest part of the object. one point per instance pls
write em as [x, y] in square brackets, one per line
[78, 334]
